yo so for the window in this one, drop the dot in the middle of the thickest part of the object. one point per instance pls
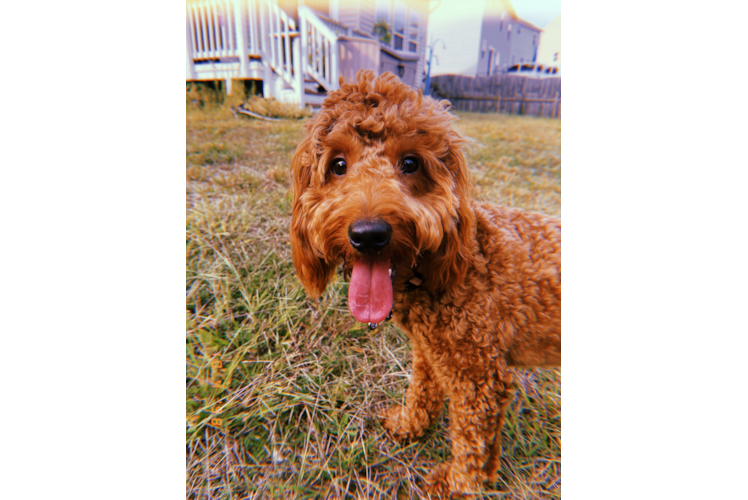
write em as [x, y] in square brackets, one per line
[509, 31]
[401, 13]
[415, 22]
[404, 22]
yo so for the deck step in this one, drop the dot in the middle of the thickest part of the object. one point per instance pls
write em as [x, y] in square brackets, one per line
[313, 86]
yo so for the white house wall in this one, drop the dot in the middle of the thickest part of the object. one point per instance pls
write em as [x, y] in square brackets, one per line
[550, 44]
[458, 24]
[366, 18]
[354, 14]
[422, 7]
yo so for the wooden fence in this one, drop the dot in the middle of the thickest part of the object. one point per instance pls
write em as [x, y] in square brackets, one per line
[501, 93]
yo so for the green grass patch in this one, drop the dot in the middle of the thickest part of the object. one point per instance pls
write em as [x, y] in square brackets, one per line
[282, 391]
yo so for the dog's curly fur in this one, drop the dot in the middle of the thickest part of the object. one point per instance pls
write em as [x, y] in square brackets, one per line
[490, 295]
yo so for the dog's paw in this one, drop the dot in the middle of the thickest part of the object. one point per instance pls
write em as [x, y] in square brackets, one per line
[445, 482]
[438, 484]
[400, 424]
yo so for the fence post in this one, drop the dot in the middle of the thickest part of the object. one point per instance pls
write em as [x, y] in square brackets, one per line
[556, 109]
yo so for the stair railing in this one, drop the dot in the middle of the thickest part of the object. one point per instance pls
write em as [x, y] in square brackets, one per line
[320, 53]
[279, 31]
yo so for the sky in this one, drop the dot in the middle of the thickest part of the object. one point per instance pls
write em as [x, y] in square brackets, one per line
[644, 37]
[538, 12]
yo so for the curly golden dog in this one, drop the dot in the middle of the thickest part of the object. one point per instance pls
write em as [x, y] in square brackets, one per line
[381, 188]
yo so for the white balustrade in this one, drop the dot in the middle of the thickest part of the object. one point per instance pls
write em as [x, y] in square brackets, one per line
[319, 49]
[225, 36]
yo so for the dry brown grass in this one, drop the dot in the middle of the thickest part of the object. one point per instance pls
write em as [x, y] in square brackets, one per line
[282, 390]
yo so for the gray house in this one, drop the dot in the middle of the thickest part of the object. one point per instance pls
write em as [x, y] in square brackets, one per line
[481, 38]
[505, 39]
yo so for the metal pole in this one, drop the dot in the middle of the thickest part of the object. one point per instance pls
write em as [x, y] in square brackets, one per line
[427, 85]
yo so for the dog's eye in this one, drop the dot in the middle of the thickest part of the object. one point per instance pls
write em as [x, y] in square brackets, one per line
[339, 166]
[409, 165]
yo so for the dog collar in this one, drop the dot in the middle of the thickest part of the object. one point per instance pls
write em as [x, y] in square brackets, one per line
[415, 281]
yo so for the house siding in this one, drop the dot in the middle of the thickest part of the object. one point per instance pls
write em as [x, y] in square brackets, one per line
[550, 44]
[525, 42]
[347, 11]
[355, 14]
[361, 15]
[366, 16]
[518, 46]
[460, 29]
[494, 31]
[422, 7]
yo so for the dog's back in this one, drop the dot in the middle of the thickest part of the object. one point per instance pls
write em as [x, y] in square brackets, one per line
[523, 254]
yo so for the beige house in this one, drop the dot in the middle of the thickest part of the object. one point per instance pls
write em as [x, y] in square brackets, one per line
[549, 51]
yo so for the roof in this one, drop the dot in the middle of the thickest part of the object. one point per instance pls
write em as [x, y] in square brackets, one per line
[527, 23]
[506, 6]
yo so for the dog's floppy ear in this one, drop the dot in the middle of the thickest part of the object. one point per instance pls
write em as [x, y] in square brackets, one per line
[454, 255]
[314, 272]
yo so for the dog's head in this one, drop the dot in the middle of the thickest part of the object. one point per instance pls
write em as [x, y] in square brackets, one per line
[380, 183]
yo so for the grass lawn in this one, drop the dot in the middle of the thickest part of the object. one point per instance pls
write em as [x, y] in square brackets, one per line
[282, 391]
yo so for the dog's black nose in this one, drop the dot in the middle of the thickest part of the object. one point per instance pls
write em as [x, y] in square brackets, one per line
[369, 235]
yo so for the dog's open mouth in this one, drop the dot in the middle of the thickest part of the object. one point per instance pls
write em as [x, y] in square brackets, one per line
[370, 290]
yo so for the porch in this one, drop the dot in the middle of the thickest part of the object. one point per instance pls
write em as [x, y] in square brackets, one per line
[297, 62]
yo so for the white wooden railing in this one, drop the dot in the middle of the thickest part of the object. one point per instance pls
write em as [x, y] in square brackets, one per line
[227, 35]
[222, 30]
[279, 30]
[340, 29]
[334, 26]
[215, 29]
[319, 49]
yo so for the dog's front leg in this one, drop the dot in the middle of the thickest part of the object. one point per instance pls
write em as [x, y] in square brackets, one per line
[476, 412]
[424, 401]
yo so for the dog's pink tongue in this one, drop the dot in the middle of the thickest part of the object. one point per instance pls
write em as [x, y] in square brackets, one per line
[370, 291]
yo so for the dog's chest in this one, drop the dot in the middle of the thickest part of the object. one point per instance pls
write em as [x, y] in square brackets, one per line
[447, 318]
